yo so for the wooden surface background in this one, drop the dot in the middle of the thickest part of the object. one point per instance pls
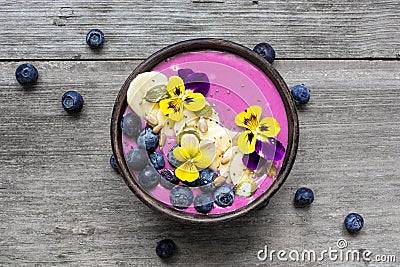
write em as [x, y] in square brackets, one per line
[62, 205]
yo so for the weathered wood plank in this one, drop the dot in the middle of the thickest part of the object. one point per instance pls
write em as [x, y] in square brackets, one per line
[41, 29]
[61, 204]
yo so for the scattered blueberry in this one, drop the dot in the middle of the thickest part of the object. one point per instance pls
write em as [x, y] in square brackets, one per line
[113, 163]
[165, 248]
[301, 94]
[26, 74]
[95, 38]
[131, 125]
[203, 203]
[72, 101]
[148, 140]
[304, 196]
[266, 51]
[205, 181]
[181, 197]
[137, 159]
[171, 158]
[354, 222]
[157, 159]
[149, 177]
[224, 195]
[168, 179]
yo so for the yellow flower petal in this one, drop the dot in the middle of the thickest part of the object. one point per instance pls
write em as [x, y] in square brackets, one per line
[176, 86]
[190, 143]
[181, 154]
[207, 154]
[172, 108]
[269, 127]
[249, 117]
[187, 172]
[247, 141]
[194, 101]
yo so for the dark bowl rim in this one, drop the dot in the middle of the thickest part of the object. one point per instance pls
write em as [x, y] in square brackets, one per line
[191, 46]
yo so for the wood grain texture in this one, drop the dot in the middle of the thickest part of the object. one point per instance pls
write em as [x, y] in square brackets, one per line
[61, 203]
[40, 29]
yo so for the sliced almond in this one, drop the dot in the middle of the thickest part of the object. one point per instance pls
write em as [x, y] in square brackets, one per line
[272, 171]
[161, 141]
[152, 120]
[202, 125]
[220, 180]
[224, 168]
[227, 157]
[158, 128]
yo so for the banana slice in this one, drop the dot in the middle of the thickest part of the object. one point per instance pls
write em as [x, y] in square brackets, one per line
[220, 136]
[138, 88]
[223, 168]
[246, 188]
[237, 168]
[189, 118]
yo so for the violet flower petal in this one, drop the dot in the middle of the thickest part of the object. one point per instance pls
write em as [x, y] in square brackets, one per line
[253, 161]
[184, 73]
[279, 150]
[198, 82]
[271, 149]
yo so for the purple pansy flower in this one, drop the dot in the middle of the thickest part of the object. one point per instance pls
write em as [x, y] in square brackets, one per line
[196, 81]
[271, 149]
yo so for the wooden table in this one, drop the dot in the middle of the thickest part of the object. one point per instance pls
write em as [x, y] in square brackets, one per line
[62, 204]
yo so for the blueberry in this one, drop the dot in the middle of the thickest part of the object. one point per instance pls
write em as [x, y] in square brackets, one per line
[95, 38]
[181, 197]
[301, 94]
[157, 159]
[113, 163]
[171, 158]
[168, 179]
[165, 248]
[195, 183]
[72, 101]
[266, 51]
[223, 196]
[137, 159]
[26, 74]
[203, 203]
[303, 197]
[148, 140]
[354, 222]
[205, 180]
[131, 125]
[149, 177]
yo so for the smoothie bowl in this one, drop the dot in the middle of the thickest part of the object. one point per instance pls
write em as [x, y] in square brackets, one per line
[204, 131]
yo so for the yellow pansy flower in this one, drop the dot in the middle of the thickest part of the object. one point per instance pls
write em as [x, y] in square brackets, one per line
[179, 98]
[194, 155]
[255, 128]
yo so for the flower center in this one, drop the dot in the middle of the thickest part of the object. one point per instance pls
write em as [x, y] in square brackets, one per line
[251, 122]
[175, 104]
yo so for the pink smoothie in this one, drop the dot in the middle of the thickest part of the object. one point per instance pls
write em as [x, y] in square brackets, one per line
[235, 84]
